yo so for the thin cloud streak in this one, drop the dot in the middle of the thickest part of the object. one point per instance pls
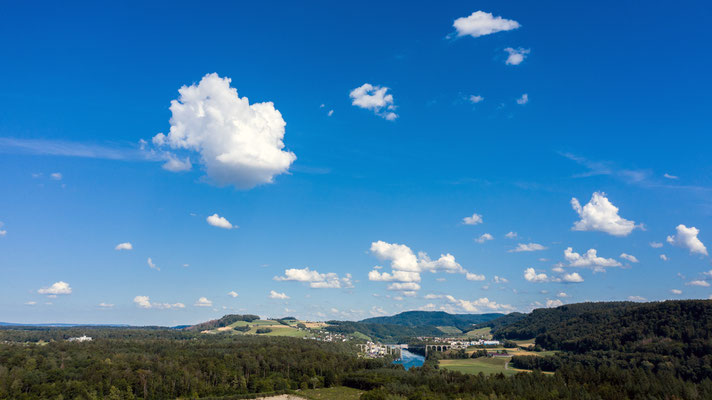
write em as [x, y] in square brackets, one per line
[74, 149]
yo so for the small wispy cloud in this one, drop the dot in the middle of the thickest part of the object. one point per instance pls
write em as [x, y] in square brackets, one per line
[126, 152]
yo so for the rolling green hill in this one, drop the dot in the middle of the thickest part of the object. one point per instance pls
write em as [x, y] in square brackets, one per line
[434, 318]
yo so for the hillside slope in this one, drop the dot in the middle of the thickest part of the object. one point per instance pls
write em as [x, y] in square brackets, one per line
[433, 318]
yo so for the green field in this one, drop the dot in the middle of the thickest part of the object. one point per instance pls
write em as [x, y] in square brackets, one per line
[359, 335]
[277, 329]
[451, 330]
[332, 393]
[486, 365]
[480, 333]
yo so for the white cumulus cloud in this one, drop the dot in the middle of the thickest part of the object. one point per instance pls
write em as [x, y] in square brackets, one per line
[474, 99]
[278, 295]
[145, 302]
[663, 257]
[124, 246]
[636, 298]
[203, 302]
[656, 245]
[573, 277]
[56, 176]
[511, 235]
[589, 259]
[700, 283]
[376, 99]
[232, 294]
[531, 276]
[220, 222]
[474, 277]
[316, 279]
[527, 247]
[687, 237]
[56, 288]
[238, 143]
[484, 237]
[481, 23]
[601, 215]
[554, 303]
[675, 291]
[523, 100]
[516, 56]
[475, 219]
[406, 266]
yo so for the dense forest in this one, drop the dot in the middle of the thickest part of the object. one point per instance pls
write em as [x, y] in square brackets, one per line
[177, 364]
[604, 351]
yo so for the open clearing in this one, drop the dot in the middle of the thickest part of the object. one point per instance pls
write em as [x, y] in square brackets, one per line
[332, 393]
[486, 365]
[483, 333]
[449, 330]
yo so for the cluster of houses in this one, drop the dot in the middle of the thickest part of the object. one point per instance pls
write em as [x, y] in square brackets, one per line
[374, 350]
[329, 337]
[83, 338]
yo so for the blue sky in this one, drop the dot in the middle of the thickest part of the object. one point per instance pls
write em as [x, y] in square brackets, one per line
[615, 115]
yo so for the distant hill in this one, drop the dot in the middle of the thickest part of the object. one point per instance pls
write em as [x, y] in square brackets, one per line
[389, 333]
[501, 322]
[224, 321]
[527, 326]
[434, 318]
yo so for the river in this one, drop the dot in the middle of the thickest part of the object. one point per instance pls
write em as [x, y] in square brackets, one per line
[409, 359]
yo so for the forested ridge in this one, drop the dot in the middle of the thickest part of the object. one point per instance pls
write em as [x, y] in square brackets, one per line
[433, 318]
[383, 332]
[605, 351]
[167, 367]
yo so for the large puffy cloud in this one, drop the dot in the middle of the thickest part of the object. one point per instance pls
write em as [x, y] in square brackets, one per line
[406, 266]
[401, 256]
[219, 222]
[527, 247]
[374, 98]
[238, 143]
[481, 23]
[315, 279]
[687, 237]
[60, 287]
[589, 259]
[531, 276]
[601, 215]
[145, 302]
